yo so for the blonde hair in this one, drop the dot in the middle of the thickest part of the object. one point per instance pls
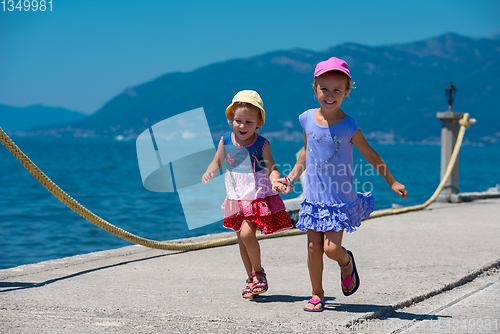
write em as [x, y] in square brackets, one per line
[239, 105]
[350, 84]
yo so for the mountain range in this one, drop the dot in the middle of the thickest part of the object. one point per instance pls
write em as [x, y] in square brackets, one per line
[17, 119]
[399, 89]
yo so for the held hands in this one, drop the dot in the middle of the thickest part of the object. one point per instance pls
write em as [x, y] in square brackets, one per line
[399, 189]
[283, 185]
[278, 187]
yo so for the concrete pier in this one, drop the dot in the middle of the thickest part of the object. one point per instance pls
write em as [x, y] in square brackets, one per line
[431, 271]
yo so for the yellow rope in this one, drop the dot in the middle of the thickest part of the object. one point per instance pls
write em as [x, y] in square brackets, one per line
[98, 221]
[465, 122]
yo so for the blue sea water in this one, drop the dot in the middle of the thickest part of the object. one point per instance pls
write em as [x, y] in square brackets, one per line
[104, 176]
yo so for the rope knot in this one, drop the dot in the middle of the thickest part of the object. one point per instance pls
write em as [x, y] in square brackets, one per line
[466, 121]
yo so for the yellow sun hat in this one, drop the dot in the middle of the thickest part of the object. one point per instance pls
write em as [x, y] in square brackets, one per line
[248, 96]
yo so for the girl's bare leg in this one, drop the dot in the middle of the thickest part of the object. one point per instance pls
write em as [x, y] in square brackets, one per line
[244, 255]
[334, 250]
[246, 261]
[315, 264]
[249, 240]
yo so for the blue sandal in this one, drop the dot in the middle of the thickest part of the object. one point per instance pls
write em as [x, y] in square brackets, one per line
[345, 282]
[315, 302]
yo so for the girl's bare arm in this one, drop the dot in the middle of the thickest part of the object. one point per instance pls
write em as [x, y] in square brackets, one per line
[298, 169]
[215, 165]
[376, 161]
[271, 167]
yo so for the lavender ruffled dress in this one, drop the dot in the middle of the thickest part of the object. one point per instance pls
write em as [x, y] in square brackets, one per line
[329, 200]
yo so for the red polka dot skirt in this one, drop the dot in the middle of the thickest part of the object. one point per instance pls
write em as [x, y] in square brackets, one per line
[250, 197]
[268, 214]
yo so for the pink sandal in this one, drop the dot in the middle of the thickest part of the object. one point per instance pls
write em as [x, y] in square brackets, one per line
[248, 289]
[259, 284]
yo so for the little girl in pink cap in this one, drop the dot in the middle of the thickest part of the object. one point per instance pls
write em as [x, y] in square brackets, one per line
[252, 201]
[330, 204]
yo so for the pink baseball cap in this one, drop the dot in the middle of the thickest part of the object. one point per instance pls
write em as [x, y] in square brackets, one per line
[332, 64]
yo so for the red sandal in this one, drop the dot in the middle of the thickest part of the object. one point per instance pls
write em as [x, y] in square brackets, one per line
[248, 289]
[259, 284]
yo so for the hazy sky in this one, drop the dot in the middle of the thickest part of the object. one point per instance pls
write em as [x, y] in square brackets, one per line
[83, 53]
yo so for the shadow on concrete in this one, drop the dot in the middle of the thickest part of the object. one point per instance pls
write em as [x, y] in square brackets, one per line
[413, 316]
[381, 312]
[12, 286]
[268, 298]
[356, 308]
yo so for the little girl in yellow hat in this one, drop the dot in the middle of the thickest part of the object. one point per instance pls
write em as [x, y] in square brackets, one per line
[251, 195]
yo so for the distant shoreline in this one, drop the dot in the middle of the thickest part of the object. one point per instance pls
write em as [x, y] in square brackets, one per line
[378, 137]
